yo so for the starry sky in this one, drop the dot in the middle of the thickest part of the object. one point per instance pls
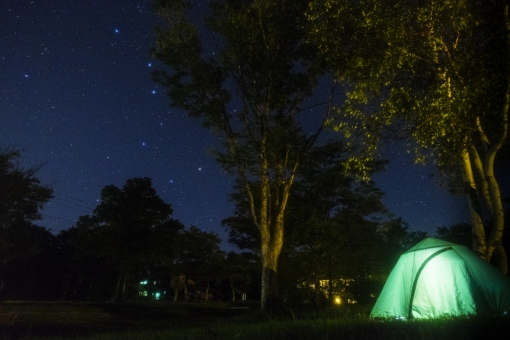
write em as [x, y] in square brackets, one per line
[77, 95]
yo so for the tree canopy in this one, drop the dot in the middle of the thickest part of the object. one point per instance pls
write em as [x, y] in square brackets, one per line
[433, 71]
[250, 91]
[131, 228]
[200, 256]
[22, 195]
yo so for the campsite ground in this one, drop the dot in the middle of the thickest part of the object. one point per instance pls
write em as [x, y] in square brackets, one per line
[106, 321]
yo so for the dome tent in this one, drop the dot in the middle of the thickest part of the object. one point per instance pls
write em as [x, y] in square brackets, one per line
[437, 278]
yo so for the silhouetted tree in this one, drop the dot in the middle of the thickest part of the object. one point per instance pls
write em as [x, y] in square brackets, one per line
[328, 211]
[397, 239]
[128, 230]
[457, 233]
[200, 257]
[21, 197]
[250, 90]
[240, 270]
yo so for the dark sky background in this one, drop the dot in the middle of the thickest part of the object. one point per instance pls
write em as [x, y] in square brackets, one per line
[77, 94]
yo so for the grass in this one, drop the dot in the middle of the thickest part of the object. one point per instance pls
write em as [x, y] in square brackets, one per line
[29, 320]
[155, 321]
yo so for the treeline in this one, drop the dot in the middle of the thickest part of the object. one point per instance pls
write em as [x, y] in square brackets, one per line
[340, 243]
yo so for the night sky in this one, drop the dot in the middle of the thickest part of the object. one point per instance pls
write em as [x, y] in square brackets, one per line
[77, 95]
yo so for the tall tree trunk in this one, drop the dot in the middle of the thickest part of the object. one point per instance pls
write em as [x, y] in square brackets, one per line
[65, 286]
[77, 285]
[489, 188]
[176, 283]
[317, 286]
[331, 298]
[484, 245]
[125, 287]
[501, 258]
[271, 248]
[478, 231]
[117, 293]
[207, 292]
[186, 292]
[271, 237]
[494, 239]
[270, 299]
[233, 296]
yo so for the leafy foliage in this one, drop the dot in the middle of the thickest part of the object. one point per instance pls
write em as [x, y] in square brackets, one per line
[430, 66]
[335, 222]
[23, 244]
[199, 255]
[458, 233]
[131, 228]
[436, 72]
[336, 228]
[241, 269]
[21, 194]
[249, 89]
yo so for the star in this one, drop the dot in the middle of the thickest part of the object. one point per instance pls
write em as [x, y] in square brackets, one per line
[129, 99]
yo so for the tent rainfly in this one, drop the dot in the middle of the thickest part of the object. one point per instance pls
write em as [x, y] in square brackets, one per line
[436, 278]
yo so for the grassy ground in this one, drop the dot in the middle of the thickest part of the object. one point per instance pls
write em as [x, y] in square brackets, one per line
[37, 319]
[154, 321]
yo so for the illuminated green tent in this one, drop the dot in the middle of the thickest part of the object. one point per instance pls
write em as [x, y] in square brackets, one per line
[437, 278]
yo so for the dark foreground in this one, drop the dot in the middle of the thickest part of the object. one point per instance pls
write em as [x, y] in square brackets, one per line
[61, 320]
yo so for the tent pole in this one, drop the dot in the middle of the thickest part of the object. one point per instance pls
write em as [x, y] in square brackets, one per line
[415, 282]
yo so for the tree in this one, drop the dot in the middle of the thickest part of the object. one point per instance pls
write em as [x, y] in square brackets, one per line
[239, 270]
[331, 225]
[397, 239]
[200, 257]
[332, 218]
[21, 194]
[435, 71]
[126, 229]
[28, 267]
[330, 230]
[344, 244]
[90, 274]
[458, 233]
[249, 89]
[21, 198]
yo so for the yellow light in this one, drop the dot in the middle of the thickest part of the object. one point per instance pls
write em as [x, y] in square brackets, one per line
[338, 300]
